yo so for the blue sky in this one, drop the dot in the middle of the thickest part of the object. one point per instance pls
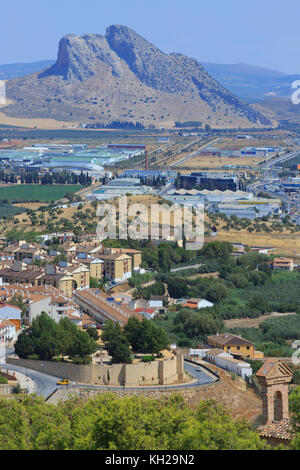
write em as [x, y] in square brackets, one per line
[264, 33]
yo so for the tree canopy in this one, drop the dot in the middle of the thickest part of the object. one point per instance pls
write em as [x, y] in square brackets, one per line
[129, 423]
[146, 337]
[47, 339]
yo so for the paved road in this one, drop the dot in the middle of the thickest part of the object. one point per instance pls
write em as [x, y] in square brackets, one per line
[194, 154]
[199, 373]
[46, 384]
[281, 159]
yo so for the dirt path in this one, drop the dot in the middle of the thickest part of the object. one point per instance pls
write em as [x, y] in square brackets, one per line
[253, 322]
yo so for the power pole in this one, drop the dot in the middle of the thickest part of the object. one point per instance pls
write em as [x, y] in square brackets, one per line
[147, 160]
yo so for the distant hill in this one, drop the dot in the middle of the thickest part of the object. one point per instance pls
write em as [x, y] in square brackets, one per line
[250, 82]
[19, 70]
[121, 76]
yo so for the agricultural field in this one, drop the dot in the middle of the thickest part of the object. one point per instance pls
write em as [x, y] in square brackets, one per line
[39, 193]
[285, 239]
[285, 244]
[208, 162]
[7, 209]
[229, 143]
[284, 287]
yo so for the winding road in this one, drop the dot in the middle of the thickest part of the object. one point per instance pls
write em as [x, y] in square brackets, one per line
[46, 384]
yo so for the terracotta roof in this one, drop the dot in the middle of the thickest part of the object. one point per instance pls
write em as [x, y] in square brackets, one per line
[277, 429]
[128, 250]
[271, 366]
[25, 274]
[229, 339]
[148, 310]
[119, 313]
[113, 256]
[37, 297]
[283, 260]
[3, 305]
[214, 352]
[87, 320]
[5, 323]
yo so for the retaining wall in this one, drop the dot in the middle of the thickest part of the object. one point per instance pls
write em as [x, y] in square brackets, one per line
[159, 372]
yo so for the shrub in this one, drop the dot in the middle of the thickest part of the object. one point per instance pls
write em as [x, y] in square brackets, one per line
[16, 389]
[33, 357]
[148, 358]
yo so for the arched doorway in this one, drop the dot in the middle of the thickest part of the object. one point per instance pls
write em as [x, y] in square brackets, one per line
[278, 406]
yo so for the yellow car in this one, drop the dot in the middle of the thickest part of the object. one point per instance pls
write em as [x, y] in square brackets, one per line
[63, 382]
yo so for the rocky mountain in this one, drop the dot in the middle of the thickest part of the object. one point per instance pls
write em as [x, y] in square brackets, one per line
[121, 76]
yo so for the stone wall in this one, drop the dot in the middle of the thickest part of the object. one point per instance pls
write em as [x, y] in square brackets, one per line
[159, 372]
[78, 373]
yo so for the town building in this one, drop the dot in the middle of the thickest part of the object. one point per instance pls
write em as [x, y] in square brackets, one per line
[226, 361]
[135, 255]
[197, 303]
[285, 264]
[117, 266]
[11, 313]
[7, 331]
[235, 345]
[102, 307]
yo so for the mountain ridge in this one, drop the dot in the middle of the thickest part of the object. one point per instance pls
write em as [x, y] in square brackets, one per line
[104, 78]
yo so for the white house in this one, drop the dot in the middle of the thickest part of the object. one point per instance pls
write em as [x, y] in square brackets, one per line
[227, 362]
[11, 313]
[7, 331]
[198, 303]
[148, 313]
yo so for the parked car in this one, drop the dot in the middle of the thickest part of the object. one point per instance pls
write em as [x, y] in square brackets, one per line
[63, 382]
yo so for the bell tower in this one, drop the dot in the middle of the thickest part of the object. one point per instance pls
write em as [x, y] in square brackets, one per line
[274, 378]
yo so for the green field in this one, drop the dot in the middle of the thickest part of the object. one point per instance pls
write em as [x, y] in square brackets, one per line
[282, 287]
[291, 162]
[9, 210]
[37, 193]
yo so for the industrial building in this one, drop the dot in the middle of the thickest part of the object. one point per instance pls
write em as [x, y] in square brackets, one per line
[149, 174]
[120, 187]
[211, 181]
[249, 211]
[254, 153]
[121, 147]
[193, 197]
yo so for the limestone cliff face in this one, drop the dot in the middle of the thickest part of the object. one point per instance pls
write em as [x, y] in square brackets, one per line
[121, 76]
